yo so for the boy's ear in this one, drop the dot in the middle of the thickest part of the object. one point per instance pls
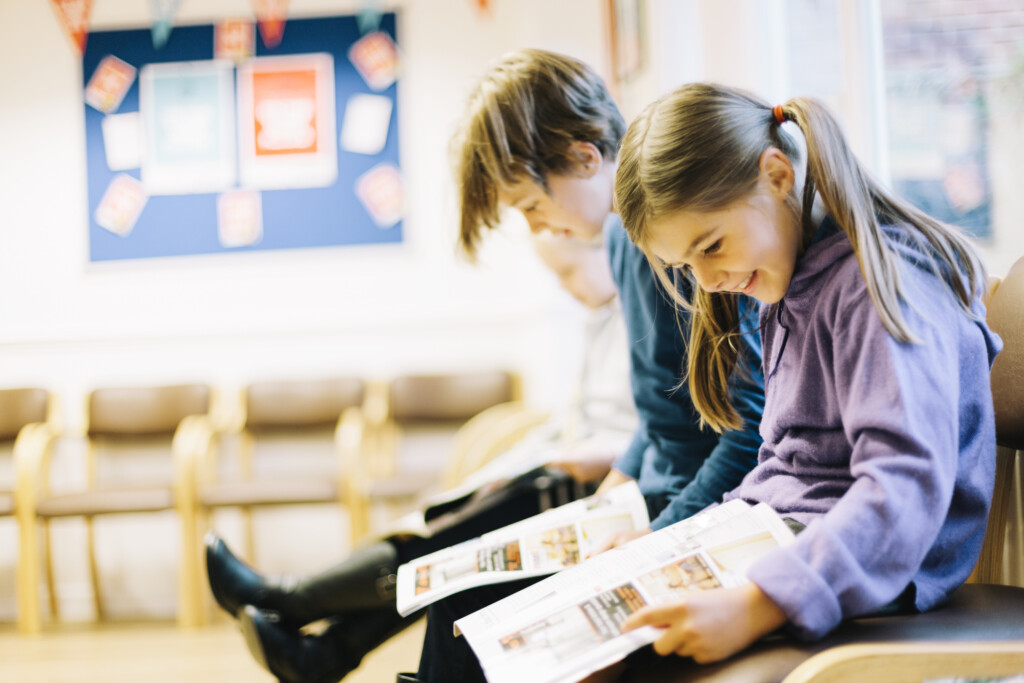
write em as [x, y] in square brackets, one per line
[586, 158]
[777, 170]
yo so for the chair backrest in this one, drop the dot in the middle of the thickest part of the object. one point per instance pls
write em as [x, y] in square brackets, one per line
[144, 411]
[1002, 557]
[19, 407]
[447, 398]
[1006, 318]
[293, 404]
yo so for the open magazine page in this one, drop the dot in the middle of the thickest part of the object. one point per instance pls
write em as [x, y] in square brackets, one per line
[569, 628]
[604, 568]
[543, 544]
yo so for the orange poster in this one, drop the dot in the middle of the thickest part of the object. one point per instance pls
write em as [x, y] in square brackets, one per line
[287, 128]
[284, 112]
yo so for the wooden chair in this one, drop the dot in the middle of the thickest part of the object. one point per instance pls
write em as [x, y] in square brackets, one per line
[979, 633]
[285, 446]
[404, 443]
[21, 411]
[125, 427]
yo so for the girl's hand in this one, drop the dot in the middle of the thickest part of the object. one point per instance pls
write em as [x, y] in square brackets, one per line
[710, 625]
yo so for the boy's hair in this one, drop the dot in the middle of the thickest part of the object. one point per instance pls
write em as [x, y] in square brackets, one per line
[520, 122]
[698, 149]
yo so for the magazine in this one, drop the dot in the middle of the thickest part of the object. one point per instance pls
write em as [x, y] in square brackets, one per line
[568, 626]
[543, 544]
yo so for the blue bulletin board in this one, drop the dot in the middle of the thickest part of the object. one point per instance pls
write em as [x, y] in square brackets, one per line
[332, 207]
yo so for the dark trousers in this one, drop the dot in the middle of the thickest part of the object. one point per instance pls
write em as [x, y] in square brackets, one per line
[513, 502]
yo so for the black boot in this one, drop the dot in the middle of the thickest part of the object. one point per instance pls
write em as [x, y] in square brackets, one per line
[407, 678]
[364, 581]
[322, 658]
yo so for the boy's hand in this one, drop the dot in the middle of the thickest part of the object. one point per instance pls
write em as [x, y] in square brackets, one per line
[710, 625]
[617, 539]
[585, 462]
[613, 479]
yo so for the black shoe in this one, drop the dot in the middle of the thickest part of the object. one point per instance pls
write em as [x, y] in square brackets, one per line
[290, 655]
[233, 582]
[407, 678]
[365, 580]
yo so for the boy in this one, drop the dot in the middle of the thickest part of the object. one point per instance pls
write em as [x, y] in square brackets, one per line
[541, 136]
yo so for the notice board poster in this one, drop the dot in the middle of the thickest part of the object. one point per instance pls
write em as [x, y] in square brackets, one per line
[216, 144]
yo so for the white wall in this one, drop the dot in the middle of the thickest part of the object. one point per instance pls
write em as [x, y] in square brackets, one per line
[70, 325]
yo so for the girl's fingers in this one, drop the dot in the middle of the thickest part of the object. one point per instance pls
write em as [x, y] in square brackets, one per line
[653, 616]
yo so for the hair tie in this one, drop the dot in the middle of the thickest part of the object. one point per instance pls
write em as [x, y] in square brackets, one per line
[780, 116]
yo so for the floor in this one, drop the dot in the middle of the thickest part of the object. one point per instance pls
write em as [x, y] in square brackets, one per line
[160, 652]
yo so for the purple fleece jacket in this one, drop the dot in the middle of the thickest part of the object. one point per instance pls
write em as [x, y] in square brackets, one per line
[885, 450]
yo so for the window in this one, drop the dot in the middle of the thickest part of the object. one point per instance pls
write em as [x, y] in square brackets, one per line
[954, 82]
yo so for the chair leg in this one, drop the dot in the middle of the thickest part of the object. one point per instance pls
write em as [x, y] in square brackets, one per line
[190, 572]
[51, 583]
[359, 518]
[250, 535]
[29, 612]
[93, 570]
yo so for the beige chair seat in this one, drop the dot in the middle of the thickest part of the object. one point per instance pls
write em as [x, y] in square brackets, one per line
[106, 502]
[269, 492]
[6, 503]
[975, 612]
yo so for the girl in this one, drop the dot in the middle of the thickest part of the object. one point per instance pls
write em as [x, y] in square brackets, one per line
[878, 426]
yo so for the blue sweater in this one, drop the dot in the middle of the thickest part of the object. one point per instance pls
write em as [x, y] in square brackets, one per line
[670, 456]
[884, 449]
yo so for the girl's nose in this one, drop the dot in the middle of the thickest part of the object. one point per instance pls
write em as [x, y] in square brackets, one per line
[710, 279]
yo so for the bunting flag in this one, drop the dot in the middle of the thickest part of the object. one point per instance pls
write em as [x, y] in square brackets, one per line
[271, 16]
[74, 17]
[483, 6]
[163, 21]
[369, 16]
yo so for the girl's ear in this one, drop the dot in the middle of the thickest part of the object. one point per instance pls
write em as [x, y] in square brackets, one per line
[586, 159]
[777, 170]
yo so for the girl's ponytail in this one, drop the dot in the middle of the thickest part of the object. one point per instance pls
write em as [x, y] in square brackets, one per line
[857, 203]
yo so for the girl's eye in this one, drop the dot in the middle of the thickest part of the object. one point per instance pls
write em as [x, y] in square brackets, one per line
[531, 207]
[713, 249]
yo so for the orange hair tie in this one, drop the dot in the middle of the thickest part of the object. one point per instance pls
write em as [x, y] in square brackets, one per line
[780, 116]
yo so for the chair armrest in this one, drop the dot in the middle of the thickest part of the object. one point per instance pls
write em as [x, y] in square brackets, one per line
[488, 434]
[349, 442]
[32, 451]
[193, 451]
[891, 662]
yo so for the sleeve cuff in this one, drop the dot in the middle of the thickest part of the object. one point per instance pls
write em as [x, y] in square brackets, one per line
[809, 604]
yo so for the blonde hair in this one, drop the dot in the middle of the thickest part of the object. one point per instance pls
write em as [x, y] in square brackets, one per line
[520, 123]
[699, 148]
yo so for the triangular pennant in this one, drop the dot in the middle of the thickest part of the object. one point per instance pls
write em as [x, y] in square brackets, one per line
[163, 21]
[369, 16]
[74, 17]
[483, 6]
[271, 16]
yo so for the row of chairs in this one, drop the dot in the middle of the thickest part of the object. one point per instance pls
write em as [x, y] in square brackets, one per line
[388, 443]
